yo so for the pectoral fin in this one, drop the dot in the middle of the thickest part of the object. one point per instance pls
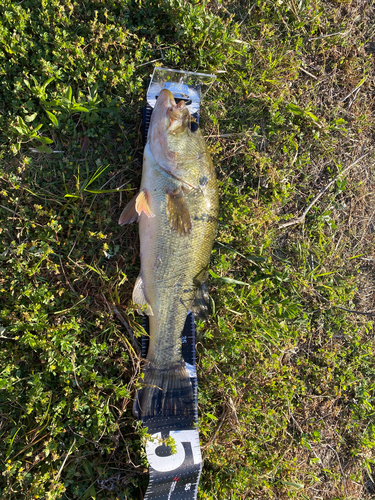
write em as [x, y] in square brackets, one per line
[129, 214]
[139, 297]
[137, 205]
[178, 213]
[141, 204]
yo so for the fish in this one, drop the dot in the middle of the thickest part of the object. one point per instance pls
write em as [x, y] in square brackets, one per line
[177, 210]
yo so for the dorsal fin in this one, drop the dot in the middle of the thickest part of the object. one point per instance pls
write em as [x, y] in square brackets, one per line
[200, 306]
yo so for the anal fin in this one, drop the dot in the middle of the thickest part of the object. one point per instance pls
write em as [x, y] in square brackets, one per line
[139, 297]
[178, 213]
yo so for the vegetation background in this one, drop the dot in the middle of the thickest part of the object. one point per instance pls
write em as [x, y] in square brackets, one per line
[286, 361]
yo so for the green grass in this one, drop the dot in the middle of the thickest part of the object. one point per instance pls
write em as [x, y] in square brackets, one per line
[286, 375]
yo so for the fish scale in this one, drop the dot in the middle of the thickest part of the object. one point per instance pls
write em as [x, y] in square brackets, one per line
[174, 281]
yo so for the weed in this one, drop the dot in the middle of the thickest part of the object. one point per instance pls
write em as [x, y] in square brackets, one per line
[285, 364]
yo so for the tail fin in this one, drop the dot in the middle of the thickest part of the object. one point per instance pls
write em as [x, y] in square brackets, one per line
[166, 392]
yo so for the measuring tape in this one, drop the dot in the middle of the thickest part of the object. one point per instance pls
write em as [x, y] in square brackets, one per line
[174, 475]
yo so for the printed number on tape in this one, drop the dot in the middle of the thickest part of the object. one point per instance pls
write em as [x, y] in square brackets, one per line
[172, 462]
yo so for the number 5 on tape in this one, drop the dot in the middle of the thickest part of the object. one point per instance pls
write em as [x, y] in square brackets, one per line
[171, 462]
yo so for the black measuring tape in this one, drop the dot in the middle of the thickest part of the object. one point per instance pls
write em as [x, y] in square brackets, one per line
[174, 474]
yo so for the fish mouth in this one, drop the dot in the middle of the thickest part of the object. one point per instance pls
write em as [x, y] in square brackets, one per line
[165, 99]
[175, 111]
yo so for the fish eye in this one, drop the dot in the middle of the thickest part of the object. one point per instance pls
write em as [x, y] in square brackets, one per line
[193, 126]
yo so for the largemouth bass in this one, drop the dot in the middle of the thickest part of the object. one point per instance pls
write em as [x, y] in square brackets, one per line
[177, 210]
